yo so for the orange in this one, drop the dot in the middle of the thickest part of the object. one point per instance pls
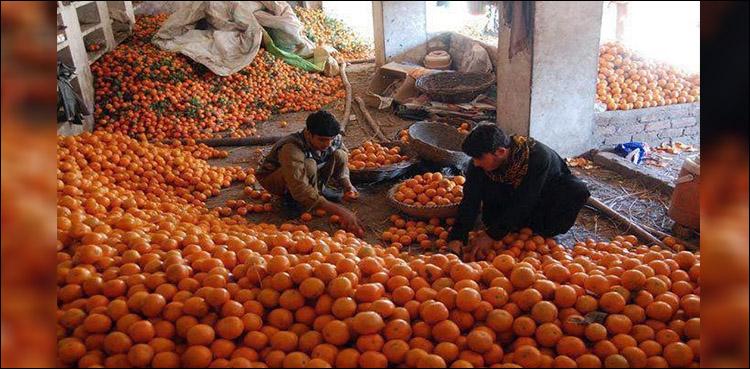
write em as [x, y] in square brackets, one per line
[445, 331]
[588, 361]
[612, 302]
[165, 359]
[97, 323]
[571, 347]
[659, 310]
[196, 357]
[117, 343]
[230, 327]
[336, 332]
[548, 334]
[368, 323]
[524, 326]
[499, 320]
[618, 324]
[616, 361]
[431, 361]
[479, 341]
[522, 277]
[200, 334]
[70, 350]
[544, 312]
[678, 354]
[595, 332]
[296, 360]
[140, 355]
[468, 299]
[434, 312]
[527, 356]
[372, 359]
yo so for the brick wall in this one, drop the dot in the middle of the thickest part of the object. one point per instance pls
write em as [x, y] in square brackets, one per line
[679, 122]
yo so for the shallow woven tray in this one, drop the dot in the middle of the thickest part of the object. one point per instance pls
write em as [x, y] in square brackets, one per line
[426, 212]
[454, 87]
[372, 175]
[437, 142]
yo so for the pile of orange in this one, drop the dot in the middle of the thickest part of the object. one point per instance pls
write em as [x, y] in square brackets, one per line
[372, 155]
[464, 128]
[427, 235]
[148, 276]
[404, 136]
[140, 88]
[627, 81]
[324, 30]
[431, 189]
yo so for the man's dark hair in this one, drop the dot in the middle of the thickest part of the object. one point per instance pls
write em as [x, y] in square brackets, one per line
[323, 123]
[484, 138]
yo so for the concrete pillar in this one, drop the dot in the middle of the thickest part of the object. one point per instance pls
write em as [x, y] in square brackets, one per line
[548, 91]
[622, 16]
[400, 30]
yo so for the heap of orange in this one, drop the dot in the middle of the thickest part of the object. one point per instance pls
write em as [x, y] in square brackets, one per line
[372, 155]
[148, 276]
[404, 136]
[431, 189]
[627, 81]
[143, 89]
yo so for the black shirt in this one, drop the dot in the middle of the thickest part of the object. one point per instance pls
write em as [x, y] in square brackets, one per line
[504, 208]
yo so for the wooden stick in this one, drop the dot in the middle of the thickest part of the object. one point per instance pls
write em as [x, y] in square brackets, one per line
[359, 61]
[637, 229]
[243, 141]
[662, 235]
[369, 119]
[348, 105]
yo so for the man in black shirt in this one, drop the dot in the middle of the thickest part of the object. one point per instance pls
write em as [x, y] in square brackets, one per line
[516, 182]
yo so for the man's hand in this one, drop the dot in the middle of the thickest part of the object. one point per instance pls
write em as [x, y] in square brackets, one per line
[479, 247]
[350, 222]
[348, 186]
[350, 192]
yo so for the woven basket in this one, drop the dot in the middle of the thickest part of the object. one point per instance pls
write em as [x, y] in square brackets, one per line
[437, 142]
[454, 87]
[426, 212]
[372, 175]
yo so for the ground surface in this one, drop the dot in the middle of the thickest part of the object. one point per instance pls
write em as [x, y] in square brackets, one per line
[626, 195]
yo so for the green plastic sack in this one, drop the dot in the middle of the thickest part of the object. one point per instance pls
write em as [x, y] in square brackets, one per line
[291, 58]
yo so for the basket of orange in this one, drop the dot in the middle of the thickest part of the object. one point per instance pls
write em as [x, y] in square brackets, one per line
[428, 195]
[374, 162]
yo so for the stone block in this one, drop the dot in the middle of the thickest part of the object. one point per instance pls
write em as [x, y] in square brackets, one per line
[630, 128]
[606, 130]
[649, 138]
[690, 131]
[684, 122]
[670, 133]
[657, 125]
[617, 139]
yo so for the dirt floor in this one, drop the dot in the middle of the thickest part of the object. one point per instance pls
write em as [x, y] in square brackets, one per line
[625, 195]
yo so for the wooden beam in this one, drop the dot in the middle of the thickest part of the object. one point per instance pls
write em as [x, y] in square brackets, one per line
[348, 105]
[374, 126]
[637, 230]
